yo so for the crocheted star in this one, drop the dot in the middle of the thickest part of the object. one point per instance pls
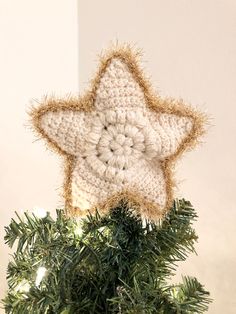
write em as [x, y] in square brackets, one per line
[119, 140]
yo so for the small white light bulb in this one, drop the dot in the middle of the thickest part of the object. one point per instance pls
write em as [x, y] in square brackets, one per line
[40, 274]
[101, 229]
[39, 212]
[78, 227]
[144, 223]
[23, 286]
[78, 231]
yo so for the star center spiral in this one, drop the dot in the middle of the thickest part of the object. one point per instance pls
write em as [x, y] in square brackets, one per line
[117, 141]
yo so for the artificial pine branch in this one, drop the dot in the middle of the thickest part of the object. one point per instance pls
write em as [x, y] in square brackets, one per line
[113, 264]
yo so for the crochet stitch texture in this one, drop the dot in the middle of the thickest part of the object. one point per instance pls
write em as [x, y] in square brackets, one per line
[119, 140]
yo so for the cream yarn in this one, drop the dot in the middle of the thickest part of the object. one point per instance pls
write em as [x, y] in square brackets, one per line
[119, 145]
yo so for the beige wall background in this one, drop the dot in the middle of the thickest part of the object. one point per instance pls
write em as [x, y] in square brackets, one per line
[190, 52]
[38, 55]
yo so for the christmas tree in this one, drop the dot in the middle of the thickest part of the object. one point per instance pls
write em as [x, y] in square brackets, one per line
[115, 246]
[118, 263]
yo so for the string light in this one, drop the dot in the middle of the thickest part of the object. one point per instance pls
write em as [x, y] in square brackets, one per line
[39, 212]
[23, 286]
[78, 230]
[144, 223]
[101, 229]
[39, 276]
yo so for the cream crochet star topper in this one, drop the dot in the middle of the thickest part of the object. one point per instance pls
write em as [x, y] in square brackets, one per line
[119, 140]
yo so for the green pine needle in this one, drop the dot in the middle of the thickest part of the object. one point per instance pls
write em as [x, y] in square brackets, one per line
[117, 264]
